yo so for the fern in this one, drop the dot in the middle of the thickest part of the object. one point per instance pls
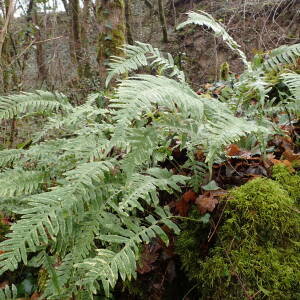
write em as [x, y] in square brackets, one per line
[204, 19]
[141, 55]
[17, 105]
[8, 293]
[84, 185]
[108, 265]
[19, 182]
[280, 57]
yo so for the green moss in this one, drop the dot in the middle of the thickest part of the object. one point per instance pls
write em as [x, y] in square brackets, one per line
[289, 181]
[224, 71]
[256, 253]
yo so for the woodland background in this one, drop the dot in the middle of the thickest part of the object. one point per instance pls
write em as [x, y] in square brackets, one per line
[47, 43]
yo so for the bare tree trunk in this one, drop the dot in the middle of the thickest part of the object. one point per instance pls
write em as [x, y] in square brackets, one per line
[112, 31]
[7, 71]
[162, 19]
[66, 6]
[74, 9]
[127, 18]
[40, 52]
[85, 59]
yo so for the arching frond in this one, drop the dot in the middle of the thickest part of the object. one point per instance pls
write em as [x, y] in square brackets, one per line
[141, 55]
[40, 101]
[144, 93]
[9, 156]
[282, 56]
[204, 19]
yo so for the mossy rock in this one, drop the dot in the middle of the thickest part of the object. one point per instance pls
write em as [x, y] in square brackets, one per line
[256, 254]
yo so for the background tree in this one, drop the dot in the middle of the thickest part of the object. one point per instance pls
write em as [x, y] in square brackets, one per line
[112, 31]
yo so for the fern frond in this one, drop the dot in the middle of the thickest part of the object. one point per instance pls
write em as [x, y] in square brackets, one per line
[9, 293]
[90, 172]
[17, 105]
[9, 156]
[18, 182]
[39, 225]
[292, 80]
[141, 55]
[143, 93]
[235, 129]
[108, 265]
[281, 56]
[204, 19]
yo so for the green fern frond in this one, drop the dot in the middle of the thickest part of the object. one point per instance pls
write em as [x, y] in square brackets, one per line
[9, 293]
[141, 55]
[39, 224]
[108, 265]
[90, 172]
[282, 56]
[204, 19]
[292, 80]
[10, 156]
[143, 93]
[18, 182]
[40, 101]
[235, 129]
[145, 187]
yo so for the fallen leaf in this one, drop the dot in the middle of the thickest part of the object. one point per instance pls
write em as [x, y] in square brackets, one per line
[189, 196]
[290, 155]
[182, 206]
[233, 150]
[206, 203]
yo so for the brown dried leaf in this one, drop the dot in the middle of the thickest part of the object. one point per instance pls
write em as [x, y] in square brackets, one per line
[290, 155]
[233, 150]
[206, 203]
[182, 206]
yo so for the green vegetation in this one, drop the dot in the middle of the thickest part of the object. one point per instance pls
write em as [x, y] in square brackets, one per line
[86, 189]
[256, 252]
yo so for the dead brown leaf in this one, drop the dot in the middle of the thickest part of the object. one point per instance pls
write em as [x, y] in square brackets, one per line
[206, 203]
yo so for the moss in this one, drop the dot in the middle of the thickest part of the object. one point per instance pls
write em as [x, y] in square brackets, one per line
[256, 253]
[224, 71]
[289, 181]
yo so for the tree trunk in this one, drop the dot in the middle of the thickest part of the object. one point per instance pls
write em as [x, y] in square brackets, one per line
[112, 31]
[40, 52]
[66, 6]
[85, 68]
[128, 26]
[74, 9]
[6, 52]
[162, 19]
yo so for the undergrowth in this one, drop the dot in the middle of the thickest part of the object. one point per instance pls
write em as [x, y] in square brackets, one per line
[85, 189]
